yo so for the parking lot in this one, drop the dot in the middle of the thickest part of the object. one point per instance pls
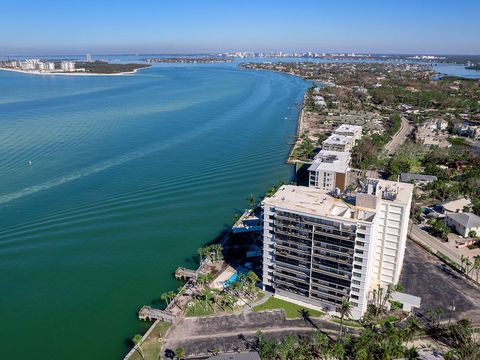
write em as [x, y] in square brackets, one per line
[438, 285]
[236, 332]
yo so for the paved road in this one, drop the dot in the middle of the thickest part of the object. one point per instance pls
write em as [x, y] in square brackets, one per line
[426, 276]
[417, 234]
[399, 138]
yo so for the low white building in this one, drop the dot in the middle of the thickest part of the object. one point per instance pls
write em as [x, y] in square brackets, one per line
[338, 143]
[319, 101]
[463, 223]
[456, 206]
[329, 170]
[354, 131]
[436, 124]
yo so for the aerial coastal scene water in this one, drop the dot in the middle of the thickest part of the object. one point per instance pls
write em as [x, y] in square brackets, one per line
[129, 175]
[239, 180]
[110, 180]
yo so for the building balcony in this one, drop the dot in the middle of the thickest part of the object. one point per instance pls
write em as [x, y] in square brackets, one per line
[332, 272]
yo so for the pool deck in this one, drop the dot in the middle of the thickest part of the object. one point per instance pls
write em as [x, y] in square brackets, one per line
[224, 276]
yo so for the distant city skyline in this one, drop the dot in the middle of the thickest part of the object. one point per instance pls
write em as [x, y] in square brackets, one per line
[212, 26]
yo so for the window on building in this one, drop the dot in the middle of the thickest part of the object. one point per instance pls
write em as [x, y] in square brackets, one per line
[359, 251]
[355, 289]
[358, 259]
[360, 243]
[357, 274]
[354, 304]
[355, 297]
[355, 282]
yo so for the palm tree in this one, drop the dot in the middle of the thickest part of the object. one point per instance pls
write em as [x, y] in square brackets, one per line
[204, 279]
[476, 266]
[165, 296]
[345, 310]
[180, 353]
[217, 250]
[412, 328]
[137, 340]
[206, 295]
[171, 295]
[319, 342]
[251, 200]
[202, 253]
[286, 347]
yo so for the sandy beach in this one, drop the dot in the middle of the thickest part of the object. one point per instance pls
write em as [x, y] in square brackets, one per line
[79, 73]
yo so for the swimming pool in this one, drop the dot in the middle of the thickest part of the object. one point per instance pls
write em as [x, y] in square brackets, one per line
[232, 279]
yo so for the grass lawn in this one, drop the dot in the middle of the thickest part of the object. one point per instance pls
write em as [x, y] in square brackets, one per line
[291, 309]
[198, 309]
[152, 345]
[386, 319]
[349, 323]
[260, 295]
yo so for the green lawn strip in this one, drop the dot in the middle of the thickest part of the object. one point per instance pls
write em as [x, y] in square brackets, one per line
[260, 295]
[349, 323]
[389, 318]
[291, 310]
[152, 345]
[198, 309]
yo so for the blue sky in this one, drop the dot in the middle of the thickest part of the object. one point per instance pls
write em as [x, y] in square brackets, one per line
[183, 26]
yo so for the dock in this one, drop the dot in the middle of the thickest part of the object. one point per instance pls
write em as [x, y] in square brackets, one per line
[149, 313]
[184, 273]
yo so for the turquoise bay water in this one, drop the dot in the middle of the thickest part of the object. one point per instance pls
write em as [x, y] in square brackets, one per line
[129, 175]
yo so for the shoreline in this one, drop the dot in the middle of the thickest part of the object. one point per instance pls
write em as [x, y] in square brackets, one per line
[72, 73]
[300, 120]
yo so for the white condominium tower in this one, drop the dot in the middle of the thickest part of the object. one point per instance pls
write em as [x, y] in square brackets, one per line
[329, 170]
[319, 249]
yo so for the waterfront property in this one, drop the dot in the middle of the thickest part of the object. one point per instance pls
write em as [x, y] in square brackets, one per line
[329, 170]
[319, 249]
[338, 143]
[354, 131]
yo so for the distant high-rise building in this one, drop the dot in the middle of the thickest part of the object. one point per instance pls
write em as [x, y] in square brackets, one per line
[88, 58]
[67, 66]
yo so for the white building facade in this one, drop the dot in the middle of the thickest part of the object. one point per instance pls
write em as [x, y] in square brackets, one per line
[319, 249]
[329, 170]
[339, 143]
[355, 131]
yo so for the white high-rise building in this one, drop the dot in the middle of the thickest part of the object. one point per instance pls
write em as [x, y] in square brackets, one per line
[318, 249]
[67, 66]
[88, 58]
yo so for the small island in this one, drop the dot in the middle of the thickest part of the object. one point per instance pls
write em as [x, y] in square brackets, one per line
[99, 67]
[69, 67]
[189, 60]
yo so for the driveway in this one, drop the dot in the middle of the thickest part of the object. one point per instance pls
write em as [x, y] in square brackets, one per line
[417, 234]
